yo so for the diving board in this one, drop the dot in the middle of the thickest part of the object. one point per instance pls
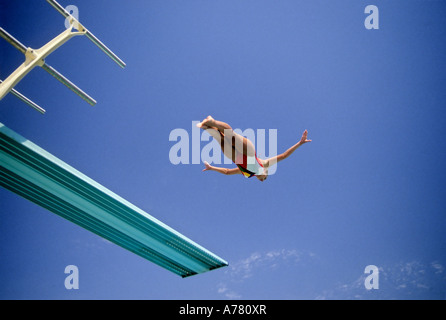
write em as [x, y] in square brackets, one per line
[40, 177]
[36, 57]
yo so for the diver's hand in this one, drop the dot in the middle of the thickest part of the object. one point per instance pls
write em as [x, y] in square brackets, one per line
[304, 138]
[207, 166]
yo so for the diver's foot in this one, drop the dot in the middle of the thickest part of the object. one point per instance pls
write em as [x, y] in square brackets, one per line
[208, 122]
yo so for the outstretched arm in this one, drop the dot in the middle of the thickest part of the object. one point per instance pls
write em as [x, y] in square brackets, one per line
[225, 171]
[273, 160]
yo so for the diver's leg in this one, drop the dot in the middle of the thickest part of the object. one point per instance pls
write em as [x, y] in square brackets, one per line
[227, 148]
[237, 141]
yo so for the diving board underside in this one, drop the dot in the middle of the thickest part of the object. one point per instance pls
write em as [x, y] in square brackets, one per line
[38, 176]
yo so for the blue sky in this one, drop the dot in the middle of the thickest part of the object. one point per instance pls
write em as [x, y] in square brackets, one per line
[367, 191]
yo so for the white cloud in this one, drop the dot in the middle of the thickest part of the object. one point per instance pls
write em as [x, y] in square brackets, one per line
[402, 280]
[408, 280]
[244, 268]
[258, 262]
[229, 294]
[437, 267]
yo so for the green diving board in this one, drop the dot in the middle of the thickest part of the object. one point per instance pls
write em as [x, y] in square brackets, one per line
[40, 177]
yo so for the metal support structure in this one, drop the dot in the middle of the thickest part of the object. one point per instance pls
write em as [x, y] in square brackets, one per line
[36, 57]
[89, 35]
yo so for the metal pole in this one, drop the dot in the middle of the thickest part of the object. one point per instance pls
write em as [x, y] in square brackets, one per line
[26, 100]
[89, 35]
[59, 8]
[56, 74]
[106, 50]
[13, 41]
